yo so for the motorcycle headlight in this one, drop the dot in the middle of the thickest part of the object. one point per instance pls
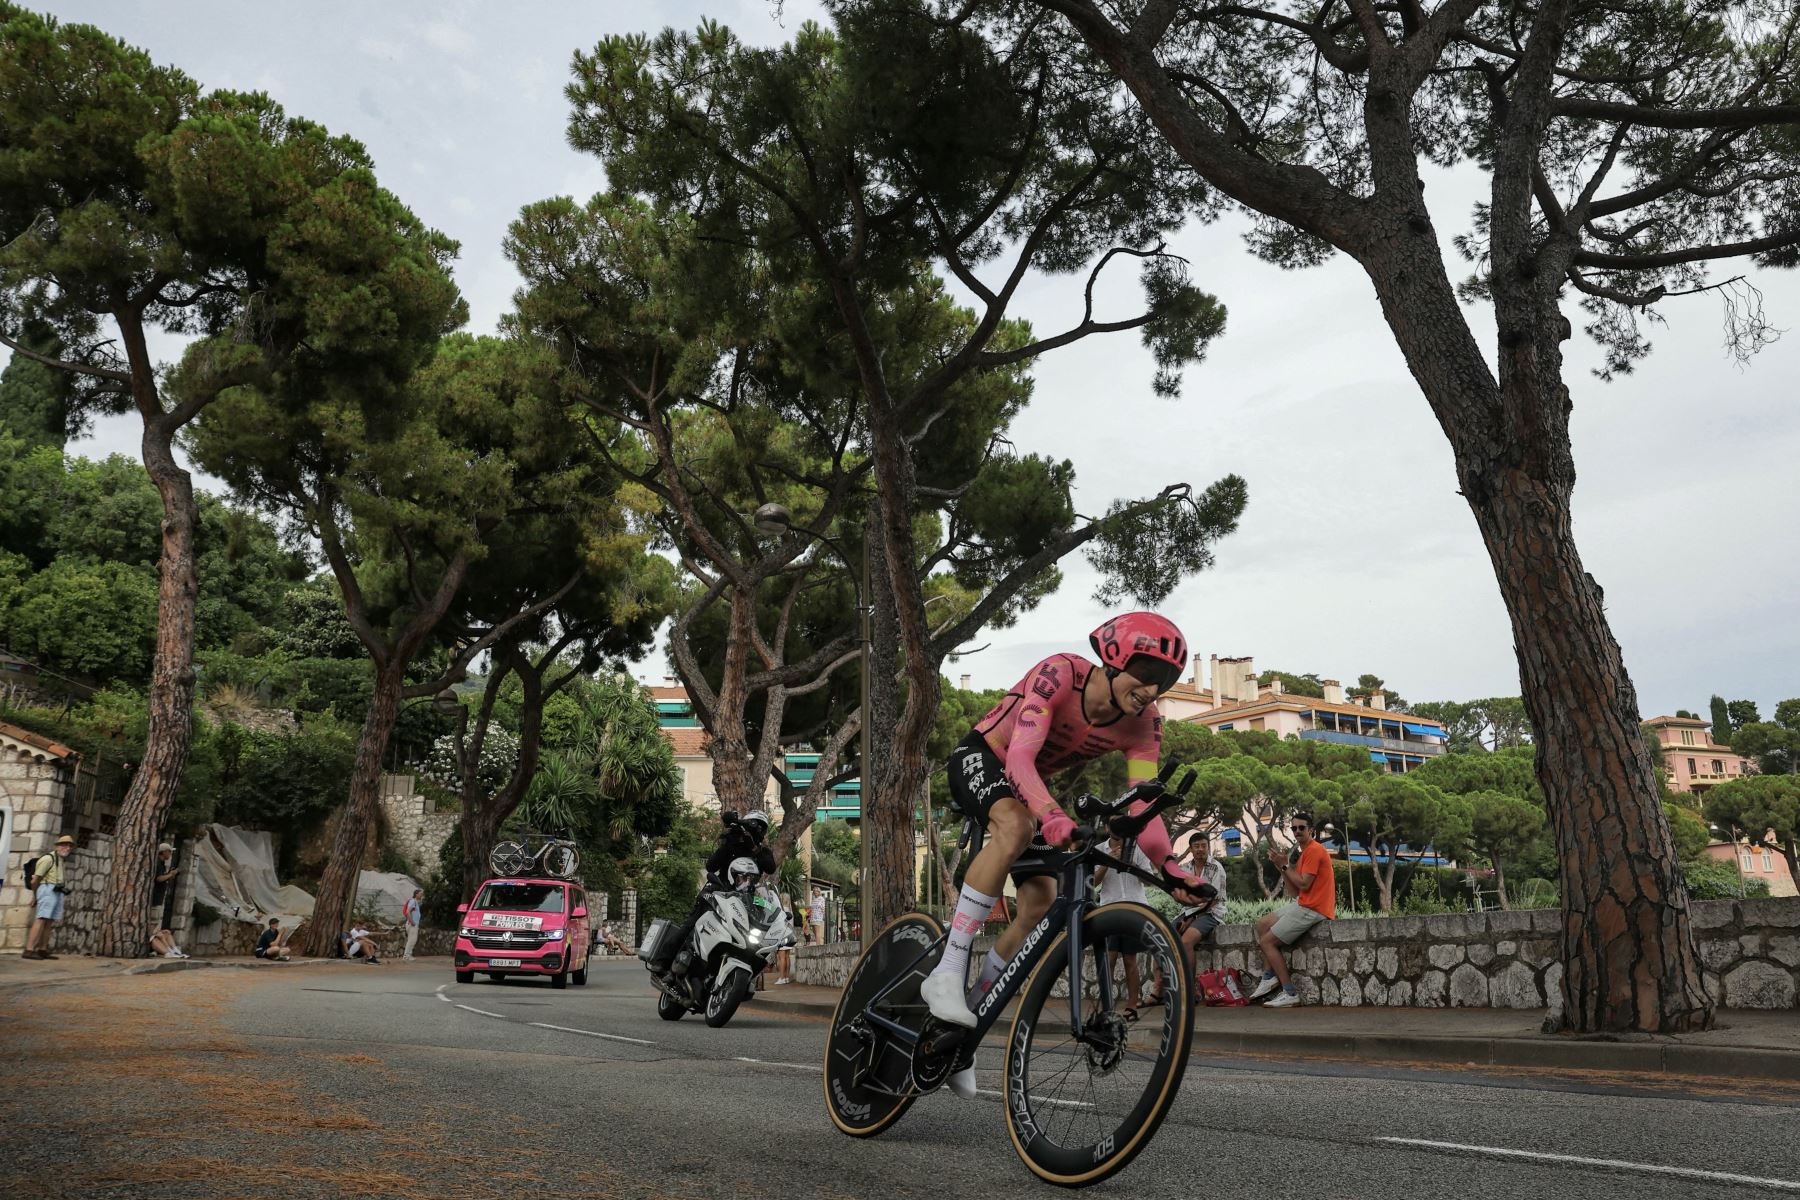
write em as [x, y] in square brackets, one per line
[554, 935]
[756, 937]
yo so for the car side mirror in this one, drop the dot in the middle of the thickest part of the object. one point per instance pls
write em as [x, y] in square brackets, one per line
[462, 908]
[580, 912]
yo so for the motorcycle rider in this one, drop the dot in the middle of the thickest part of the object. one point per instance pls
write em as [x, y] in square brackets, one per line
[742, 837]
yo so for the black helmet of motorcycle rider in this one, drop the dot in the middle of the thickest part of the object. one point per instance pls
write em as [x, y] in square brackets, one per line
[755, 824]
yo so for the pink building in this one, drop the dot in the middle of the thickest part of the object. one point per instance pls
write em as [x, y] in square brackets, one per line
[1757, 862]
[1694, 761]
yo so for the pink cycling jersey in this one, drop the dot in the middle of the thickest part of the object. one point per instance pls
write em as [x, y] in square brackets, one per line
[1040, 729]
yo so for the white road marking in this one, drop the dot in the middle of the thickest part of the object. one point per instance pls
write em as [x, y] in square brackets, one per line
[763, 1062]
[611, 1037]
[484, 1012]
[1613, 1163]
[439, 993]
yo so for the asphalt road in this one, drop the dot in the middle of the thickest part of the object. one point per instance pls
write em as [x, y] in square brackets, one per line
[342, 1079]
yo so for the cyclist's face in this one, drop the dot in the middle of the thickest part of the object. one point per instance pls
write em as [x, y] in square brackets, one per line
[1134, 694]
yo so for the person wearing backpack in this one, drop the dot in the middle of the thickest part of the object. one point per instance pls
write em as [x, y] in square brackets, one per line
[46, 876]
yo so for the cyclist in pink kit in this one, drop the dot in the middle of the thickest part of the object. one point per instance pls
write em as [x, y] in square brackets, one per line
[1065, 712]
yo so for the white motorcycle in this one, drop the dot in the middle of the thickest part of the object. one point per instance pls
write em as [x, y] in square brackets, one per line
[733, 942]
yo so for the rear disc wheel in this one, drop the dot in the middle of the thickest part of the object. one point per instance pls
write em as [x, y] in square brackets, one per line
[868, 1073]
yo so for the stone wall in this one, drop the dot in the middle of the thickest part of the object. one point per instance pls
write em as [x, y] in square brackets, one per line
[36, 787]
[1749, 949]
[84, 874]
[412, 826]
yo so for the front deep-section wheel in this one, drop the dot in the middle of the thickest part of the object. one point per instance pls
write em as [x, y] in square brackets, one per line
[1081, 1104]
[868, 1072]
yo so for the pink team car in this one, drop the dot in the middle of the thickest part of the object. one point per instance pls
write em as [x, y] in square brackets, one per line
[525, 927]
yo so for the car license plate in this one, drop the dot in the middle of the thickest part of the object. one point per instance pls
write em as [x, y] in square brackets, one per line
[503, 962]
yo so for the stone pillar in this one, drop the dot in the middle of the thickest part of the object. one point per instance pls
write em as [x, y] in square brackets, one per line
[628, 932]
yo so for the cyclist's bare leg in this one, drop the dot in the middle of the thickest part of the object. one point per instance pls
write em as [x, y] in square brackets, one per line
[1010, 826]
[1035, 896]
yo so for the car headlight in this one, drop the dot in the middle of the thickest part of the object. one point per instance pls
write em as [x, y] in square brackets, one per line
[555, 935]
[469, 933]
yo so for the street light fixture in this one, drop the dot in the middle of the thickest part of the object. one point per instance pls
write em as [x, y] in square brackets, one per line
[773, 520]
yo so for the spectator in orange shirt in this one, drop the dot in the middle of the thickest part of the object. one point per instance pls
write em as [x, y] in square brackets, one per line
[1306, 876]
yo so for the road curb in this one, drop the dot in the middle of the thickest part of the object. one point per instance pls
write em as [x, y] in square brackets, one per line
[1546, 1053]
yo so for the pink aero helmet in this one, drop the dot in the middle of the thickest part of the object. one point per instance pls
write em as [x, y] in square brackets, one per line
[1144, 644]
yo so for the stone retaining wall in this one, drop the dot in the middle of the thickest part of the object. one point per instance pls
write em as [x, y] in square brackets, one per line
[1749, 950]
[412, 826]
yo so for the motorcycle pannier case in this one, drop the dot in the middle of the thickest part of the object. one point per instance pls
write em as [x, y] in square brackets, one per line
[653, 938]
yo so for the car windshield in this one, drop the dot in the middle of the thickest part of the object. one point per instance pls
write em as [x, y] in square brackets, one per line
[522, 897]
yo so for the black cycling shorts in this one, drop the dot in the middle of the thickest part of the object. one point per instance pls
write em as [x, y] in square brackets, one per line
[977, 781]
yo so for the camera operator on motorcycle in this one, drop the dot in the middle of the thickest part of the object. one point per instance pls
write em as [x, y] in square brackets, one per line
[1065, 712]
[743, 837]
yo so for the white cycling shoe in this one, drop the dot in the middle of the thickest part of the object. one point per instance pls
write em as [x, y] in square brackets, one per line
[944, 995]
[963, 1082]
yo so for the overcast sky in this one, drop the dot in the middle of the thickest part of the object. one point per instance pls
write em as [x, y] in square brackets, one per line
[1355, 554]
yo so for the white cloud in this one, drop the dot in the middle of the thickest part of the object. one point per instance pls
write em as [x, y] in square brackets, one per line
[451, 39]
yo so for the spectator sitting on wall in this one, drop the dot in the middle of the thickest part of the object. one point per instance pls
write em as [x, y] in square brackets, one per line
[272, 945]
[611, 937]
[1307, 878]
[1198, 921]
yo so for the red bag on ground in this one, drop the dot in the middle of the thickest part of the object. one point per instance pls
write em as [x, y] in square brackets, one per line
[1222, 989]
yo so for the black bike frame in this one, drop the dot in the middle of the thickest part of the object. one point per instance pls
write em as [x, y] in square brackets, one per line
[1070, 905]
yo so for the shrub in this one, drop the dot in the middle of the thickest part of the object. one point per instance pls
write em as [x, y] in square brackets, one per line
[1710, 879]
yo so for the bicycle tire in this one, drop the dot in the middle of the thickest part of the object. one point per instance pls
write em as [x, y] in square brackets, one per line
[508, 858]
[1075, 1143]
[852, 1063]
[560, 859]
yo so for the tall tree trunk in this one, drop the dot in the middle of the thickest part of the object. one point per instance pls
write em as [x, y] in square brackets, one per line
[887, 804]
[337, 886]
[1500, 884]
[120, 932]
[480, 830]
[728, 747]
[1629, 957]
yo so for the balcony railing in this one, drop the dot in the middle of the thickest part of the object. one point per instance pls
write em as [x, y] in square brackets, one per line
[1397, 745]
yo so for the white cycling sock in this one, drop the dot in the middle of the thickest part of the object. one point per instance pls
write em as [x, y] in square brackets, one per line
[991, 966]
[972, 909]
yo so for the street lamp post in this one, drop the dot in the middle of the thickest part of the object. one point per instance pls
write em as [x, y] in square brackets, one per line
[774, 519]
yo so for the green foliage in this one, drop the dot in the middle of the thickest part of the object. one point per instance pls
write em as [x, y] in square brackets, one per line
[1511, 771]
[1765, 809]
[1721, 721]
[34, 398]
[79, 548]
[1787, 715]
[1710, 879]
[614, 779]
[89, 619]
[1740, 712]
[1367, 685]
[286, 783]
[1295, 685]
[1689, 830]
[1496, 723]
[1776, 748]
